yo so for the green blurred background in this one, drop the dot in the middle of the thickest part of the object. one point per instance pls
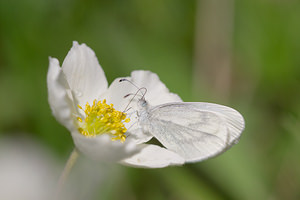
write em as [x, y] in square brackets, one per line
[244, 54]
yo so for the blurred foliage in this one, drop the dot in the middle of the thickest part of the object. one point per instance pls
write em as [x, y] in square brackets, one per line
[159, 36]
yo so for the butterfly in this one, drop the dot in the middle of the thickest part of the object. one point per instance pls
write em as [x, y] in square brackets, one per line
[194, 130]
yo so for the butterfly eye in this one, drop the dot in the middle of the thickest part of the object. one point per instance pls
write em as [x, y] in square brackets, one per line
[142, 102]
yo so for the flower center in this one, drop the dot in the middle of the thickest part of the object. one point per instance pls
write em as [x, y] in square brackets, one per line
[102, 118]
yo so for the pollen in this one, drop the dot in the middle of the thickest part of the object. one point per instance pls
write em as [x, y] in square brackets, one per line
[101, 118]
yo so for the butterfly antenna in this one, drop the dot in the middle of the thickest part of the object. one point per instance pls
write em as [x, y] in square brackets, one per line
[134, 94]
[138, 88]
[124, 79]
[130, 94]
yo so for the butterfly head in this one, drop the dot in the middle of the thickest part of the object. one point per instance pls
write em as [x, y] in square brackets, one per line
[142, 103]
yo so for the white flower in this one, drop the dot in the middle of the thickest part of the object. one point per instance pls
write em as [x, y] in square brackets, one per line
[94, 113]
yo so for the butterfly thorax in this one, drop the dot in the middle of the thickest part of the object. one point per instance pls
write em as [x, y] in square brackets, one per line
[143, 112]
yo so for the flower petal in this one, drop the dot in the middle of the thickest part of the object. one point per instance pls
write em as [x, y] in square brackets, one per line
[102, 148]
[137, 134]
[157, 92]
[84, 73]
[153, 156]
[61, 105]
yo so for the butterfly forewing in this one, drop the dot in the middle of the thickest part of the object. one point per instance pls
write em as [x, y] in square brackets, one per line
[196, 131]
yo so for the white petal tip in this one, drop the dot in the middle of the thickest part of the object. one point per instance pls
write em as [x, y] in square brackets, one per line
[53, 61]
[75, 43]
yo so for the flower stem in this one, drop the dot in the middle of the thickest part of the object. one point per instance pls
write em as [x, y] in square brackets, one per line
[64, 175]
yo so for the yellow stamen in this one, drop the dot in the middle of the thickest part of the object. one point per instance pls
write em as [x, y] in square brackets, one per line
[102, 118]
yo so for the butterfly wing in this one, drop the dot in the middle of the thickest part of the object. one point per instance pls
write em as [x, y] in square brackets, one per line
[196, 131]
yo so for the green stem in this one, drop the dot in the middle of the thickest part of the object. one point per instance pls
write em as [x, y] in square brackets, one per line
[68, 167]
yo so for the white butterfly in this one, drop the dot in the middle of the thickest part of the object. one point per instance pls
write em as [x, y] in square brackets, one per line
[194, 130]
